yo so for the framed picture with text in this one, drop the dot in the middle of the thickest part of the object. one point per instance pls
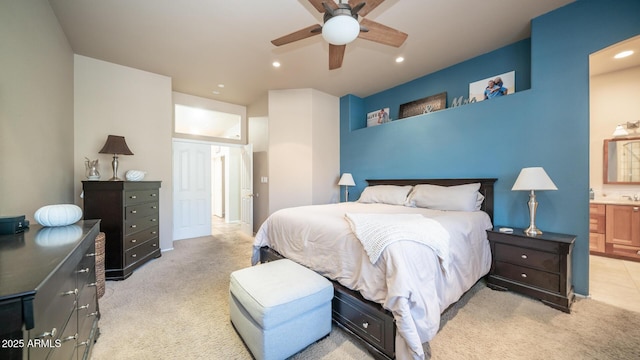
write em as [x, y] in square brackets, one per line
[423, 106]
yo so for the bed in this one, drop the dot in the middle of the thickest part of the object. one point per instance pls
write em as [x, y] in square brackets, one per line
[390, 294]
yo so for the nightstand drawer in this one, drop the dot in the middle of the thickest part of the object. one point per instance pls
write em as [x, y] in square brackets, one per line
[524, 275]
[527, 257]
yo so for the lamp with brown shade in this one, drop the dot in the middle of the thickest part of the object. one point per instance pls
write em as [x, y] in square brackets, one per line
[115, 145]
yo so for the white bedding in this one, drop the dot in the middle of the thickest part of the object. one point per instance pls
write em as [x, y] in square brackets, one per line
[407, 279]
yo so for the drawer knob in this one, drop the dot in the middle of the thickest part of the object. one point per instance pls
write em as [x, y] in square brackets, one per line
[365, 324]
[154, 220]
[92, 314]
[92, 284]
[523, 275]
[134, 226]
[154, 207]
[638, 252]
[133, 197]
[154, 232]
[69, 338]
[134, 241]
[85, 270]
[83, 307]
[71, 292]
[154, 195]
[83, 343]
[134, 255]
[524, 256]
[90, 255]
[134, 211]
[51, 333]
[635, 208]
[154, 245]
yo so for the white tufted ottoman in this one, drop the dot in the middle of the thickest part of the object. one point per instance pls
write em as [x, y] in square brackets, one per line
[279, 308]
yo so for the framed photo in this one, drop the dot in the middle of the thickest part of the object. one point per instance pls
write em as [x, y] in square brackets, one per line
[423, 106]
[491, 87]
[378, 117]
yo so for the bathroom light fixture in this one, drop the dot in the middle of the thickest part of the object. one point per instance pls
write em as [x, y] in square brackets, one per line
[346, 180]
[341, 29]
[531, 179]
[621, 128]
[623, 54]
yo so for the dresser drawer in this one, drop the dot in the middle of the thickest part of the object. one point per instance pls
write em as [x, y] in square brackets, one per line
[625, 250]
[138, 224]
[527, 257]
[365, 321]
[132, 197]
[140, 252]
[140, 237]
[524, 275]
[140, 210]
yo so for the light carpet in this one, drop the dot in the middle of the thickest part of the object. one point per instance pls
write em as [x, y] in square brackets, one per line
[176, 307]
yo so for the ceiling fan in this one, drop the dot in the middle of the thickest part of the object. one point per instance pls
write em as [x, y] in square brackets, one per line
[341, 26]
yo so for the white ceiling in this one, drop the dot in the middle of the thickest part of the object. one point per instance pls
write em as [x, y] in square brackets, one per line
[203, 43]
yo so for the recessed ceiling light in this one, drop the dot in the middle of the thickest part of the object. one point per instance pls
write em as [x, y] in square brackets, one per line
[623, 54]
[399, 59]
[276, 64]
[220, 85]
[216, 92]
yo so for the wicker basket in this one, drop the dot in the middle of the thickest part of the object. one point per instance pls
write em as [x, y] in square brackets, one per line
[100, 239]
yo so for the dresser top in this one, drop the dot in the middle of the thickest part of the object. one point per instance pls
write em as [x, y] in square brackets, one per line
[27, 259]
[546, 235]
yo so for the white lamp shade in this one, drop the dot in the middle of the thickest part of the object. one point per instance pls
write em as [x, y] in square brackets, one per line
[346, 179]
[533, 178]
[340, 30]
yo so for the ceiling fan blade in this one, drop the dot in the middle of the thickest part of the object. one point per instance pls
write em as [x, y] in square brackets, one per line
[336, 54]
[370, 5]
[382, 34]
[298, 35]
[318, 4]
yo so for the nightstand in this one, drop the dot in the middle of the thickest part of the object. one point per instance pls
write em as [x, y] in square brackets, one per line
[537, 266]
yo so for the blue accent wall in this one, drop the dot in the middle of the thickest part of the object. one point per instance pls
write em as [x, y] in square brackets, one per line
[545, 123]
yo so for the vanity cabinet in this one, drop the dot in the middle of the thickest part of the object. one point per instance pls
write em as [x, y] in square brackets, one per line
[597, 227]
[614, 230]
[623, 231]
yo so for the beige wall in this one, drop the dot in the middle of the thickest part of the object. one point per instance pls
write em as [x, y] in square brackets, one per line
[613, 100]
[117, 100]
[36, 109]
[303, 161]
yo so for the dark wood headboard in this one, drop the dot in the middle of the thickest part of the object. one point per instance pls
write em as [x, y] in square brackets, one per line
[486, 187]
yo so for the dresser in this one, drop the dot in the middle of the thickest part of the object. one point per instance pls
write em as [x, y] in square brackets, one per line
[129, 213]
[48, 297]
[537, 266]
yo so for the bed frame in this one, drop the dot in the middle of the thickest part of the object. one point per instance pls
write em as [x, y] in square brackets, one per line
[365, 320]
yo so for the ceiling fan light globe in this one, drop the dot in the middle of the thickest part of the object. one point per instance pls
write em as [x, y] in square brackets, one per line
[340, 30]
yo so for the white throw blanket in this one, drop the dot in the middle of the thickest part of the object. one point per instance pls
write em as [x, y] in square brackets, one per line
[377, 231]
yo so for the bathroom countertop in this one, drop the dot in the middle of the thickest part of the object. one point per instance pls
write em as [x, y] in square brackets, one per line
[614, 201]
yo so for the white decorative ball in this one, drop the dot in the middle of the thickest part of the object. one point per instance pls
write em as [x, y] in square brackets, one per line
[58, 215]
[134, 175]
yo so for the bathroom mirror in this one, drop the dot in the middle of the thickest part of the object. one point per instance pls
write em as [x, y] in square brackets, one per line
[622, 161]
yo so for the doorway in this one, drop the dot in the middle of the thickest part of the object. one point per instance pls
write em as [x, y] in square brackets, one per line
[614, 89]
[208, 187]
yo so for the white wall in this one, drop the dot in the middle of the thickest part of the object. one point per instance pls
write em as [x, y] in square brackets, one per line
[304, 145]
[36, 109]
[613, 100]
[118, 100]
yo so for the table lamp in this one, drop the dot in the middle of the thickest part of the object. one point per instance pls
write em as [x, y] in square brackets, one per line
[531, 179]
[117, 146]
[347, 180]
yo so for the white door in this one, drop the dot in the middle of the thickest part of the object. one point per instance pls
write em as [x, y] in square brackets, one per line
[191, 190]
[246, 190]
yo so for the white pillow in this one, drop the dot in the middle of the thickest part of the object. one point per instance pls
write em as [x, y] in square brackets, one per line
[458, 198]
[385, 194]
